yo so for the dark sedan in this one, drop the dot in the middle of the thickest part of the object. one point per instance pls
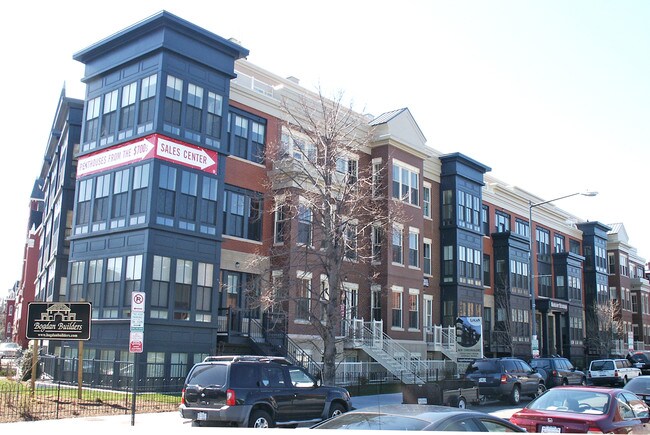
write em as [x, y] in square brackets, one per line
[419, 417]
[585, 410]
[641, 387]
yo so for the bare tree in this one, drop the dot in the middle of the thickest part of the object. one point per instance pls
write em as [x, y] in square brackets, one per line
[503, 326]
[330, 205]
[604, 327]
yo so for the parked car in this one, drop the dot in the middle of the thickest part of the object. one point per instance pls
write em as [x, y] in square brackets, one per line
[585, 410]
[640, 386]
[10, 350]
[505, 378]
[419, 417]
[613, 371]
[257, 391]
[641, 360]
[557, 370]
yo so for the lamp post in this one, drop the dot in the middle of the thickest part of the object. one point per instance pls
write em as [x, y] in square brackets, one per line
[534, 345]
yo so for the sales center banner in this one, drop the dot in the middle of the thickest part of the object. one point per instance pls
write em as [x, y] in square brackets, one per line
[153, 146]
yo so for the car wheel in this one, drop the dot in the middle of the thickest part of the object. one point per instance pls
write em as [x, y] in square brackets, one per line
[541, 388]
[565, 381]
[336, 409]
[515, 395]
[260, 419]
[625, 381]
[461, 403]
[583, 382]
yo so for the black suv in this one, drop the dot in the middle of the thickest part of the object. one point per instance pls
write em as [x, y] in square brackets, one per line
[505, 378]
[557, 370]
[257, 391]
[641, 360]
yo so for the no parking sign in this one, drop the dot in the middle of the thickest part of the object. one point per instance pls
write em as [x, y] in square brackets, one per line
[136, 335]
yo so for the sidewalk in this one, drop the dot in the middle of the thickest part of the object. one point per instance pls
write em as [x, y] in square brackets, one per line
[159, 423]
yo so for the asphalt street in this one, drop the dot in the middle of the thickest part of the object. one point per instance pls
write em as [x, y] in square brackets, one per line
[172, 423]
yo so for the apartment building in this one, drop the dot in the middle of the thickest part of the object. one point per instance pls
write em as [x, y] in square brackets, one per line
[175, 196]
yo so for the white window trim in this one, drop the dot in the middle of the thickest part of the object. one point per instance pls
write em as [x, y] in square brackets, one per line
[427, 185]
[400, 290]
[429, 242]
[399, 227]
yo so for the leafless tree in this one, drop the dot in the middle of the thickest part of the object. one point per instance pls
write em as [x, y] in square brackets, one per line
[604, 327]
[329, 205]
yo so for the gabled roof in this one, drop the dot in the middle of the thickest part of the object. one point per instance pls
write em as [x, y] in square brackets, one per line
[399, 125]
[618, 232]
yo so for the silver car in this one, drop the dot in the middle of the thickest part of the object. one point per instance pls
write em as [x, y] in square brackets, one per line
[10, 350]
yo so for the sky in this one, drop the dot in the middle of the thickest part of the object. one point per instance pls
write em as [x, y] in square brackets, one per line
[553, 95]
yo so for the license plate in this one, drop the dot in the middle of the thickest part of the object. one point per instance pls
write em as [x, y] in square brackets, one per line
[422, 400]
[481, 379]
[201, 415]
[549, 429]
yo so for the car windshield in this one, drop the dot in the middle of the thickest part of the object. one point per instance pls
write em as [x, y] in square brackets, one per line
[208, 374]
[482, 367]
[540, 363]
[373, 421]
[571, 400]
[8, 346]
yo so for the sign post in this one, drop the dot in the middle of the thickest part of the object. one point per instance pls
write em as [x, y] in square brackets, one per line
[136, 340]
[58, 321]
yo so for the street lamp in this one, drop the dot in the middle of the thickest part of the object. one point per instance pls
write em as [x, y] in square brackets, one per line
[533, 341]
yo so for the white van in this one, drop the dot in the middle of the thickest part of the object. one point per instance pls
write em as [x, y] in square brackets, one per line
[616, 371]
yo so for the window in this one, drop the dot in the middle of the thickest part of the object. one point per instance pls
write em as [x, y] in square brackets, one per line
[414, 248]
[447, 207]
[139, 194]
[559, 243]
[91, 128]
[166, 195]
[448, 264]
[119, 210]
[426, 200]
[469, 210]
[375, 302]
[100, 205]
[622, 261]
[349, 169]
[299, 148]
[396, 304]
[305, 217]
[173, 105]
[187, 201]
[377, 240]
[208, 217]
[414, 309]
[377, 168]
[155, 364]
[543, 244]
[486, 271]
[405, 183]
[281, 221]
[194, 112]
[397, 244]
[77, 271]
[242, 214]
[247, 136]
[178, 365]
[147, 103]
[160, 287]
[133, 280]
[204, 281]
[303, 300]
[127, 111]
[214, 119]
[521, 228]
[426, 252]
[109, 118]
[112, 292]
[485, 220]
[351, 241]
[183, 290]
[502, 222]
[84, 196]
[93, 290]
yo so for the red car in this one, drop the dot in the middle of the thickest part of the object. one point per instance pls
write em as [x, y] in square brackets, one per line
[585, 410]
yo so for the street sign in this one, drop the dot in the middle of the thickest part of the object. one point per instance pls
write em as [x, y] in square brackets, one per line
[58, 321]
[136, 334]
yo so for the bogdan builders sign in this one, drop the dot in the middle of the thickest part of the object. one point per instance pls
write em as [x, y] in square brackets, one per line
[152, 146]
[58, 321]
